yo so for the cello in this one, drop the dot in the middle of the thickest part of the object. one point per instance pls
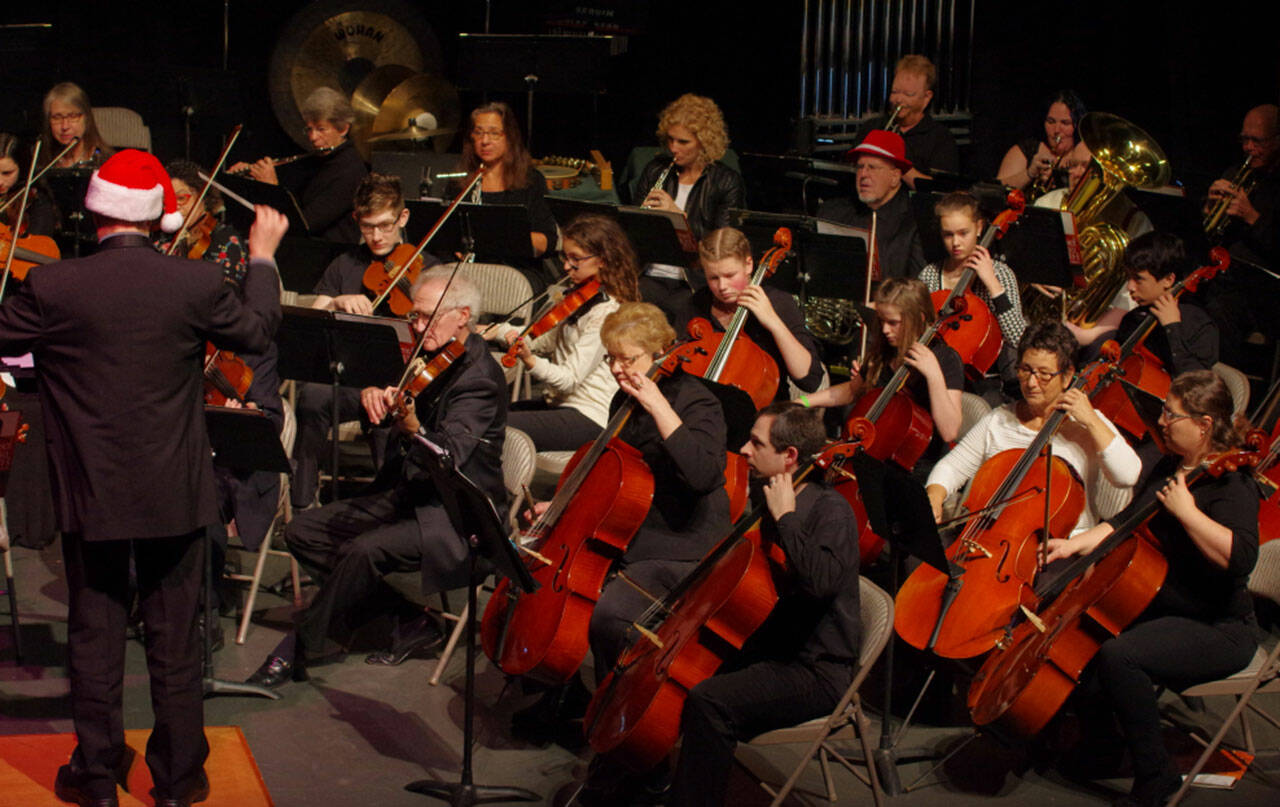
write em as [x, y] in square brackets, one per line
[1022, 497]
[730, 357]
[1024, 684]
[1140, 366]
[975, 332]
[685, 637]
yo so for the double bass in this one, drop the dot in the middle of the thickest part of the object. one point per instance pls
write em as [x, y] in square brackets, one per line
[1025, 682]
[1139, 366]
[974, 332]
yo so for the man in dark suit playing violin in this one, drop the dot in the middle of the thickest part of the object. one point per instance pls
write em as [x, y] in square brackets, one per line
[381, 215]
[799, 663]
[348, 545]
[121, 388]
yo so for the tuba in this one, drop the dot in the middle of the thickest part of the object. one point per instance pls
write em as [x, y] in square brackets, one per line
[1123, 155]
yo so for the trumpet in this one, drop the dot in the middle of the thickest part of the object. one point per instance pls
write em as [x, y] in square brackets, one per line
[1216, 218]
[287, 160]
[891, 125]
[662, 179]
[1044, 184]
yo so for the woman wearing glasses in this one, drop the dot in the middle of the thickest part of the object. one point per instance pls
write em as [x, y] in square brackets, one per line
[494, 141]
[569, 359]
[68, 115]
[1086, 441]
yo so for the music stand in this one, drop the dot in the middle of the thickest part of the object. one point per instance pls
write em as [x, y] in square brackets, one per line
[69, 186]
[242, 440]
[1041, 247]
[898, 510]
[262, 193]
[506, 229]
[471, 513]
[341, 350]
[1172, 213]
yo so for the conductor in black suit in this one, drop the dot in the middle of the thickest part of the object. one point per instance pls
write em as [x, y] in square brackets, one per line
[119, 340]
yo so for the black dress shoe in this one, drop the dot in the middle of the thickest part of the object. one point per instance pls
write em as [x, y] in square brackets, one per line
[67, 787]
[200, 793]
[276, 670]
[419, 636]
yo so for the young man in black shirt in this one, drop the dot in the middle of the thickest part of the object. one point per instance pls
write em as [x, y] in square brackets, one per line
[1186, 338]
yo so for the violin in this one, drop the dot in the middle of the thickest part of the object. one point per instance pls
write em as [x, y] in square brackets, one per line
[573, 300]
[226, 376]
[28, 251]
[1022, 498]
[974, 332]
[1141, 367]
[200, 236]
[686, 636]
[422, 372]
[730, 357]
[1038, 665]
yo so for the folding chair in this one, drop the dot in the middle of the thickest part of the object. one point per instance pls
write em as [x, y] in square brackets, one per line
[283, 513]
[503, 288]
[517, 472]
[1262, 674]
[848, 718]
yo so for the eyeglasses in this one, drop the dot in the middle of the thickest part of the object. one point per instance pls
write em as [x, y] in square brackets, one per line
[871, 168]
[492, 134]
[627, 362]
[66, 117]
[384, 227]
[183, 198]
[417, 316]
[1170, 416]
[1043, 376]
[570, 260]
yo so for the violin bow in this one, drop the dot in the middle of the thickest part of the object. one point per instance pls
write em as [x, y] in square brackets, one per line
[22, 211]
[47, 166]
[422, 338]
[527, 301]
[186, 221]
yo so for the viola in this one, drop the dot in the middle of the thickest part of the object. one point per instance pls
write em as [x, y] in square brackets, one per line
[1024, 683]
[573, 300]
[685, 637]
[730, 357]
[1139, 366]
[226, 376]
[200, 237]
[974, 332]
[1019, 494]
[29, 251]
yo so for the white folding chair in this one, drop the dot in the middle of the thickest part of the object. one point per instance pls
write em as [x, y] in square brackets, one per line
[288, 432]
[517, 472]
[848, 718]
[972, 409]
[1262, 674]
[1238, 383]
[122, 128]
[503, 289]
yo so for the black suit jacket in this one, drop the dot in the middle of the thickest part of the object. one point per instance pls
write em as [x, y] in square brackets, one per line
[119, 342]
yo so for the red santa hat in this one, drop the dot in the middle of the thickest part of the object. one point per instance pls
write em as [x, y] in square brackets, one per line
[132, 185]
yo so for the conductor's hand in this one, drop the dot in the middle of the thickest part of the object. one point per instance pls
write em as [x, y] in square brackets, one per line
[269, 226]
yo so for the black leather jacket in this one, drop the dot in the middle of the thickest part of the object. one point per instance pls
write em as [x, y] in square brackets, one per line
[716, 191]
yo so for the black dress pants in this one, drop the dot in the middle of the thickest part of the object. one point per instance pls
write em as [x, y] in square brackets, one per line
[622, 603]
[552, 428]
[1172, 651]
[348, 546]
[169, 574]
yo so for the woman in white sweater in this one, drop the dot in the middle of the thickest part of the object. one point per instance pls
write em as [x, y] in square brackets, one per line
[569, 359]
[1086, 441]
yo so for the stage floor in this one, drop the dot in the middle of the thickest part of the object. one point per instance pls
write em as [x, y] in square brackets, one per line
[355, 735]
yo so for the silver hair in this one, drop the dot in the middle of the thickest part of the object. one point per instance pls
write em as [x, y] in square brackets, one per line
[462, 292]
[327, 104]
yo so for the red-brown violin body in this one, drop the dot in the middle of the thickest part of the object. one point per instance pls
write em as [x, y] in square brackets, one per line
[394, 275]
[573, 300]
[226, 376]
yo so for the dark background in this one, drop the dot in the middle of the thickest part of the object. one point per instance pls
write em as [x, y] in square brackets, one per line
[1184, 71]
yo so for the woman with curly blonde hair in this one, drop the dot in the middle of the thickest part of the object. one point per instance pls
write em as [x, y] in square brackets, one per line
[698, 184]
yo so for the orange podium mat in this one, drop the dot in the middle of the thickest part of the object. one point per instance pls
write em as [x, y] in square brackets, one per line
[29, 763]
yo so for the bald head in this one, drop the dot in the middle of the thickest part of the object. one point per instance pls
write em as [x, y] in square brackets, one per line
[1258, 135]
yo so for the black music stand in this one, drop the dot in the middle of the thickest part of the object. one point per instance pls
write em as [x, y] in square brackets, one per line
[69, 186]
[302, 260]
[262, 193]
[471, 513]
[342, 350]
[506, 229]
[899, 512]
[1039, 250]
[242, 440]
[10, 425]
[530, 63]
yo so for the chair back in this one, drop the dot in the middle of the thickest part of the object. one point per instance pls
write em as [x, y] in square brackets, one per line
[1264, 580]
[1237, 383]
[972, 409]
[122, 128]
[875, 609]
[289, 429]
[502, 289]
[518, 459]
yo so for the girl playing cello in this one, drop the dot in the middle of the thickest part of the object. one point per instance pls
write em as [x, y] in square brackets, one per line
[1200, 625]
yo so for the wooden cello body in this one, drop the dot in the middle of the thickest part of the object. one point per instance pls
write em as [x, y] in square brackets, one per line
[903, 428]
[998, 555]
[545, 637]
[974, 333]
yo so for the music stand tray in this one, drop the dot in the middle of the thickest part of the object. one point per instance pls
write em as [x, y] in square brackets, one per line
[262, 193]
[505, 229]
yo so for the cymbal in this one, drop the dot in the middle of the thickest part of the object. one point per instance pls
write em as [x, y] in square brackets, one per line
[338, 44]
[368, 97]
[412, 134]
[416, 95]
